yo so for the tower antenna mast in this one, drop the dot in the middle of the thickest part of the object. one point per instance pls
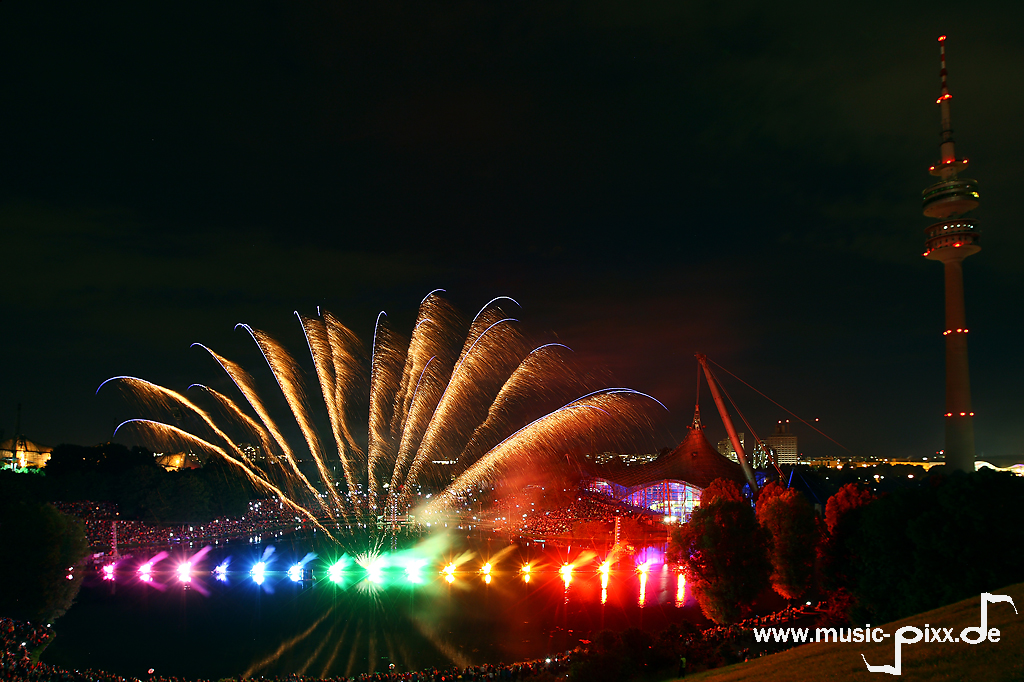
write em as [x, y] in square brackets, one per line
[949, 241]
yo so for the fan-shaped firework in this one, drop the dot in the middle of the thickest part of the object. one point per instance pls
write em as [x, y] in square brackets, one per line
[491, 405]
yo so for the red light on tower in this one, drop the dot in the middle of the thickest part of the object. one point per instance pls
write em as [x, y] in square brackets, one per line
[949, 242]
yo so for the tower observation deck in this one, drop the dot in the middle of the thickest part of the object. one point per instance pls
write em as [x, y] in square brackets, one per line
[949, 241]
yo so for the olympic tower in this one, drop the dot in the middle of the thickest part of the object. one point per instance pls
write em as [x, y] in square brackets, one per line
[949, 241]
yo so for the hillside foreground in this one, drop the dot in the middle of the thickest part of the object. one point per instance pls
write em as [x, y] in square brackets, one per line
[1001, 661]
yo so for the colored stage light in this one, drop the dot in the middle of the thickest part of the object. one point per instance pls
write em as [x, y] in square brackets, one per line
[413, 569]
[335, 570]
[185, 571]
[566, 572]
[258, 572]
[295, 573]
[108, 572]
[146, 572]
[374, 569]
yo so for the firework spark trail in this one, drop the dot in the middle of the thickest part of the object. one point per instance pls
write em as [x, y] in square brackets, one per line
[163, 397]
[430, 346]
[490, 302]
[429, 392]
[599, 412]
[427, 398]
[286, 372]
[286, 645]
[316, 652]
[372, 653]
[170, 433]
[430, 632]
[541, 374]
[491, 355]
[432, 337]
[236, 412]
[355, 652]
[385, 374]
[318, 340]
[244, 383]
[334, 653]
[347, 354]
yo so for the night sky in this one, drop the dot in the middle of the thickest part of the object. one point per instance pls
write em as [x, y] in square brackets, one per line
[649, 180]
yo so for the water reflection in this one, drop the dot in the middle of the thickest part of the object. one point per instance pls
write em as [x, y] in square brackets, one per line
[680, 590]
[642, 569]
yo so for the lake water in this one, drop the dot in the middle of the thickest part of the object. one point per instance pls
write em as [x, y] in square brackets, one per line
[397, 615]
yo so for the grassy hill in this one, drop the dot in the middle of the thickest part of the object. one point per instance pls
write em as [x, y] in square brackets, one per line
[1001, 661]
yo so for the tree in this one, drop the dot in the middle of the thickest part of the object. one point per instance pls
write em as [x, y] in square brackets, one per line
[109, 472]
[769, 492]
[721, 489]
[49, 547]
[722, 551]
[951, 538]
[843, 512]
[180, 497]
[792, 528]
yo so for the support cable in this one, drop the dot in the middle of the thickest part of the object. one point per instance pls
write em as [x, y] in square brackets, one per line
[768, 451]
[787, 410]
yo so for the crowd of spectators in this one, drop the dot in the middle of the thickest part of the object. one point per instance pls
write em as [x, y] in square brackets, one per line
[588, 507]
[738, 635]
[264, 516]
[19, 640]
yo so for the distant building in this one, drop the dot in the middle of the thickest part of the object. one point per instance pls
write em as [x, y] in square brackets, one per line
[20, 453]
[629, 457]
[726, 449]
[671, 483]
[178, 461]
[254, 454]
[830, 462]
[783, 442]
